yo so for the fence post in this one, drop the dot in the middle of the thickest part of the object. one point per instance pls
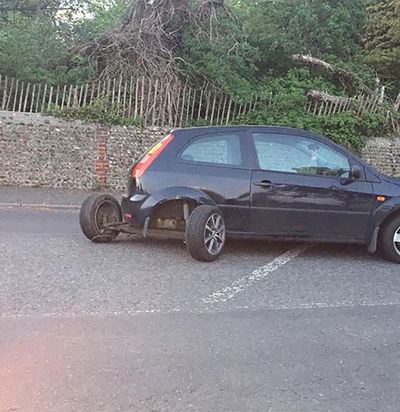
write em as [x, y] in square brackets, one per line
[113, 93]
[21, 97]
[136, 97]
[15, 96]
[182, 106]
[38, 98]
[141, 100]
[397, 103]
[153, 118]
[189, 95]
[26, 96]
[217, 119]
[44, 98]
[228, 116]
[86, 94]
[208, 104]
[50, 98]
[125, 92]
[382, 95]
[200, 104]
[69, 96]
[130, 96]
[9, 97]
[3, 106]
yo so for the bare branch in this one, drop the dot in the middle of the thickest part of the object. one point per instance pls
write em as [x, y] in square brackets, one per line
[144, 43]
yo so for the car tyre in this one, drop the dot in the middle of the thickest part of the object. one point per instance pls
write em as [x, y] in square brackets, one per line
[206, 233]
[97, 211]
[390, 240]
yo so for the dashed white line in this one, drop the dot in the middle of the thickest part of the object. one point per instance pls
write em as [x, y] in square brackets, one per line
[259, 274]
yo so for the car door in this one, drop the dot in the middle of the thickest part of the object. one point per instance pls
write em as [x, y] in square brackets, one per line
[299, 188]
[217, 164]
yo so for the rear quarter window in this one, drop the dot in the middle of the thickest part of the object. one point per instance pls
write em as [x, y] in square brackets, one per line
[221, 149]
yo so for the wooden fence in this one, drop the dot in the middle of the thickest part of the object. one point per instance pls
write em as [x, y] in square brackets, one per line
[157, 102]
[377, 103]
[161, 102]
[333, 106]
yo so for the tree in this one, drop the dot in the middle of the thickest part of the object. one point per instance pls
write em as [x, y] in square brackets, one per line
[38, 38]
[34, 48]
[382, 41]
[34, 8]
[145, 41]
[316, 27]
[217, 50]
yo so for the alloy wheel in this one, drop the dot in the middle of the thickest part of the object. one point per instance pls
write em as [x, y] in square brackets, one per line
[214, 234]
[396, 241]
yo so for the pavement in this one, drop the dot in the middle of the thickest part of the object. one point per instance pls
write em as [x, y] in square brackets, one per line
[12, 196]
[137, 325]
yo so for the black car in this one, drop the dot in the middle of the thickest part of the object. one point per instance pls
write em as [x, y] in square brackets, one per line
[257, 182]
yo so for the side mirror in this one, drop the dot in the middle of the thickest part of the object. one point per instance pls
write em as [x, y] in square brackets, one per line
[355, 174]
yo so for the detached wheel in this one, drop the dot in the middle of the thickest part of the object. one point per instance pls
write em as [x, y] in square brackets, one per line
[98, 211]
[206, 233]
[390, 240]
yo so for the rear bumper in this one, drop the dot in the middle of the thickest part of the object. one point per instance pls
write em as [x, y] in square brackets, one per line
[134, 210]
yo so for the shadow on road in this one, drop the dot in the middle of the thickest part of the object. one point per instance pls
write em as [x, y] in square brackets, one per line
[259, 248]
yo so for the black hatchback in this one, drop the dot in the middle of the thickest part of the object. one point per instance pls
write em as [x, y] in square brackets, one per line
[207, 184]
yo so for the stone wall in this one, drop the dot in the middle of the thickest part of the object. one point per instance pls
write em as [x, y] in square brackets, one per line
[125, 144]
[384, 154]
[37, 150]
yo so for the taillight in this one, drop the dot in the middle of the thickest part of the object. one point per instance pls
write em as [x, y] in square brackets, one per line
[150, 156]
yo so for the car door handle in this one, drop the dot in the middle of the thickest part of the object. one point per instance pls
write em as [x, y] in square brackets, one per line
[335, 188]
[264, 183]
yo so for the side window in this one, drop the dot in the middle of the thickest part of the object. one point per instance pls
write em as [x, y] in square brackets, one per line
[297, 154]
[221, 149]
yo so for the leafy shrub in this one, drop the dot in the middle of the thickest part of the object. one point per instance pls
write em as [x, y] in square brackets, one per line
[345, 128]
[100, 111]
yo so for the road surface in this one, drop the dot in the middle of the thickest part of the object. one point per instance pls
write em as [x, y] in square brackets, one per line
[137, 325]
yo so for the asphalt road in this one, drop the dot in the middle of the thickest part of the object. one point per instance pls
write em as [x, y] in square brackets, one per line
[137, 325]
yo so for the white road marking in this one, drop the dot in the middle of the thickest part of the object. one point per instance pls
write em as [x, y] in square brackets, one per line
[259, 274]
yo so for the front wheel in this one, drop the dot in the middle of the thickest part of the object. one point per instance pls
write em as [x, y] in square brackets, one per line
[390, 240]
[97, 212]
[205, 233]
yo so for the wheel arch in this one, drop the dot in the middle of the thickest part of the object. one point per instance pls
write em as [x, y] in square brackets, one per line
[381, 217]
[170, 202]
[386, 211]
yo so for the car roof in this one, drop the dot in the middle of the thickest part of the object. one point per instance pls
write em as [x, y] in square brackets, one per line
[192, 131]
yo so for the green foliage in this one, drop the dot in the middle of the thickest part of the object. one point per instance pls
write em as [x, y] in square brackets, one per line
[316, 27]
[220, 53]
[383, 39]
[345, 128]
[100, 111]
[253, 46]
[34, 49]
[103, 16]
[296, 82]
[30, 8]
[39, 39]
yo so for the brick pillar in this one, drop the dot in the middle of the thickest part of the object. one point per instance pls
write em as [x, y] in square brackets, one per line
[102, 161]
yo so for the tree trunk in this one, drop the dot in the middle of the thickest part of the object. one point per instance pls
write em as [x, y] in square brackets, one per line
[345, 78]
